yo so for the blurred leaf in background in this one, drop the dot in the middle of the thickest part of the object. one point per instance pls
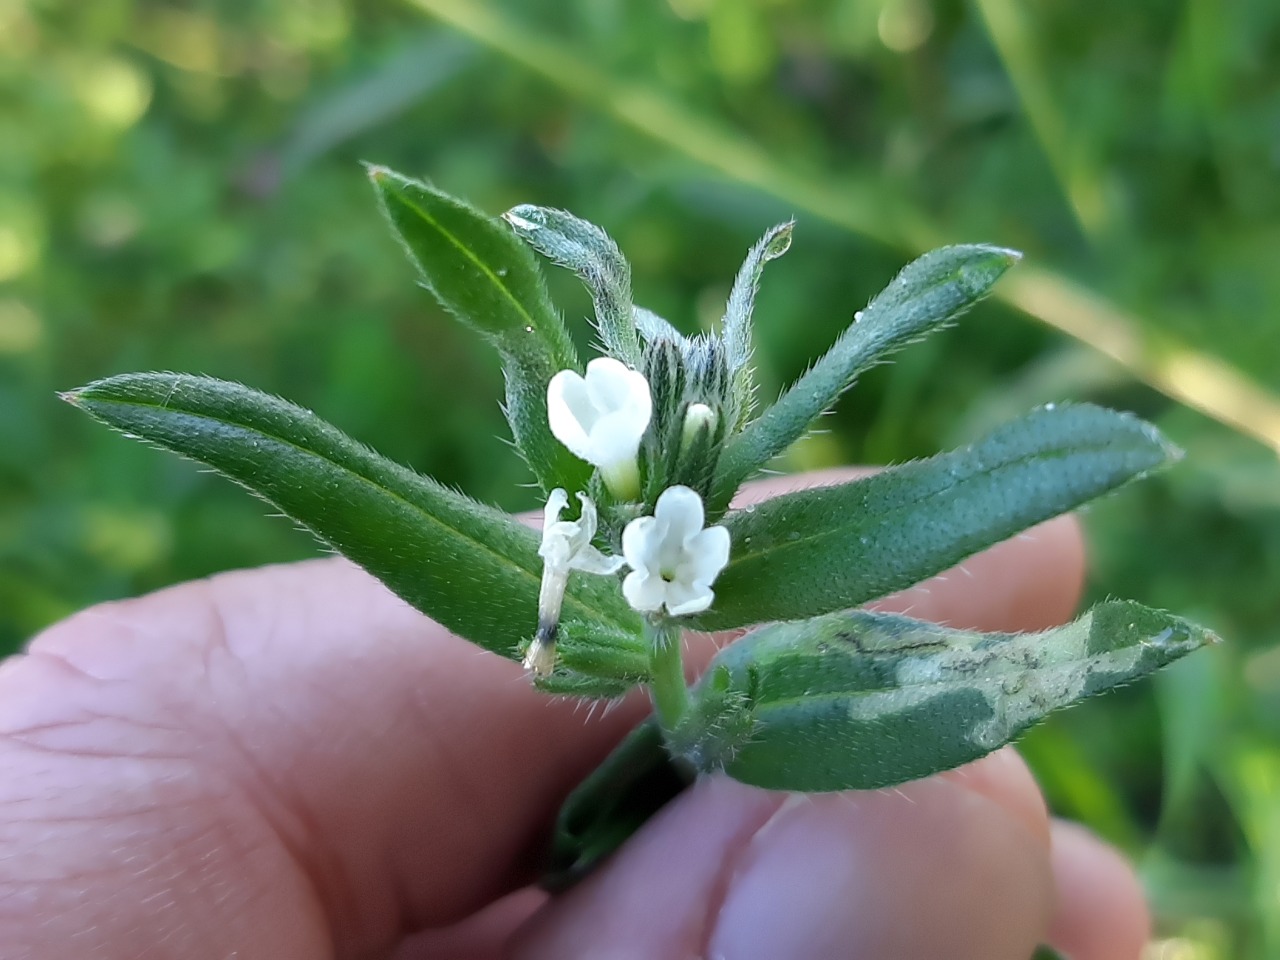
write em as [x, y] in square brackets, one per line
[180, 189]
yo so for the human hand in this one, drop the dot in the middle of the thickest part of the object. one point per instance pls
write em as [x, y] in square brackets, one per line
[292, 763]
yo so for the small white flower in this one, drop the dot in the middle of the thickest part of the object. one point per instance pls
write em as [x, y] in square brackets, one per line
[601, 418]
[566, 545]
[673, 559]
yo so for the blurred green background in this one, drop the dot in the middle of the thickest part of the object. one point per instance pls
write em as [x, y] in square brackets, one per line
[179, 189]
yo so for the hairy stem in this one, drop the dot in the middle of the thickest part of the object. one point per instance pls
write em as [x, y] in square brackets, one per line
[666, 665]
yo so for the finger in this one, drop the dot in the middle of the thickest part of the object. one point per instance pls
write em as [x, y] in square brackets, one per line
[383, 774]
[409, 778]
[483, 936]
[1002, 777]
[931, 869]
[1101, 913]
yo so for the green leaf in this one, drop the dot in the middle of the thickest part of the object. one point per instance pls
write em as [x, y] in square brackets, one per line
[860, 700]
[473, 569]
[633, 783]
[736, 332]
[490, 281]
[816, 551]
[590, 253]
[928, 294]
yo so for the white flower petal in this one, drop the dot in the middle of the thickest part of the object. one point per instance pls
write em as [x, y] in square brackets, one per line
[686, 598]
[681, 509]
[615, 439]
[709, 553]
[591, 560]
[639, 545]
[566, 544]
[643, 591]
[589, 518]
[556, 502]
[607, 383]
[567, 407]
[674, 560]
[601, 418]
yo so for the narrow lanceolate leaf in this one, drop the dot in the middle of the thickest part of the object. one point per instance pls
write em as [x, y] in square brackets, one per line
[859, 700]
[491, 282]
[632, 784]
[817, 551]
[590, 253]
[736, 328]
[471, 568]
[928, 294]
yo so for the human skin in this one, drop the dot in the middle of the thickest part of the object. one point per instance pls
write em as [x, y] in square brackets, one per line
[290, 762]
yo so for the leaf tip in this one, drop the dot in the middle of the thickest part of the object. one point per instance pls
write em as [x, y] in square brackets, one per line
[778, 240]
[997, 260]
[525, 218]
[973, 267]
[376, 172]
[71, 396]
[1170, 451]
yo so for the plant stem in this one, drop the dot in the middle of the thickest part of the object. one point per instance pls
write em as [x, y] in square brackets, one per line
[666, 665]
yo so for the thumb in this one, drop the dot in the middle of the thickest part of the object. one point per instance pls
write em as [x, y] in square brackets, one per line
[954, 866]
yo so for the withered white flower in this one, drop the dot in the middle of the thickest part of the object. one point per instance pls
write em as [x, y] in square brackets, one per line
[673, 559]
[601, 418]
[566, 545]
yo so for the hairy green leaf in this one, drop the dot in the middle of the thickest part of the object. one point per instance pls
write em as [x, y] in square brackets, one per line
[490, 281]
[816, 551]
[929, 293]
[591, 253]
[736, 332]
[445, 554]
[633, 783]
[859, 700]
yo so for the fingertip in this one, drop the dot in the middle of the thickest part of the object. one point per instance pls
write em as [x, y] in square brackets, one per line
[1029, 582]
[1101, 912]
[932, 868]
[1005, 779]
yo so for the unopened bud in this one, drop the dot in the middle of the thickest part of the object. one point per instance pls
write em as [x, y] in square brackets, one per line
[699, 419]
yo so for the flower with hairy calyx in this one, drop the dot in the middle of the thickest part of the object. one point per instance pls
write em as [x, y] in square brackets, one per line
[601, 418]
[673, 559]
[566, 546]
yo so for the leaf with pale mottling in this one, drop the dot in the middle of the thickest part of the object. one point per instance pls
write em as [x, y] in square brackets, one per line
[859, 700]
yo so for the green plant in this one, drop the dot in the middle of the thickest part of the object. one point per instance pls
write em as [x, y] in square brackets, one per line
[653, 439]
